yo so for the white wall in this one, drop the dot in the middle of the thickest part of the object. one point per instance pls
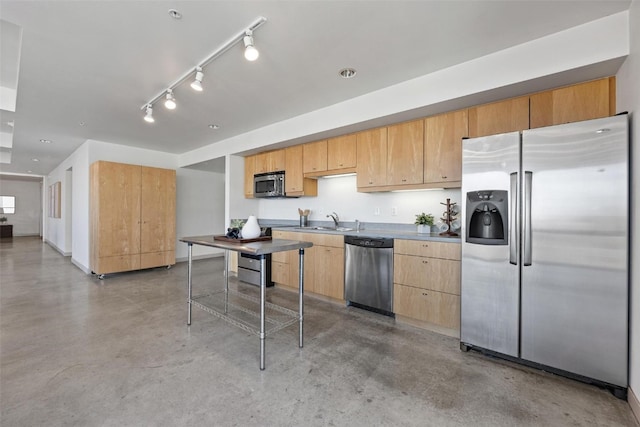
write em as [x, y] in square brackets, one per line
[26, 220]
[339, 195]
[200, 209]
[628, 99]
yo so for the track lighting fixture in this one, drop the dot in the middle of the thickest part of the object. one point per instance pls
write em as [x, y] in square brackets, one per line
[170, 101]
[149, 114]
[197, 83]
[250, 51]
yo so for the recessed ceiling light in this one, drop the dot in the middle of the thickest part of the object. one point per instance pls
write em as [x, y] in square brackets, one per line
[45, 141]
[347, 73]
[214, 126]
[35, 160]
[175, 14]
[81, 123]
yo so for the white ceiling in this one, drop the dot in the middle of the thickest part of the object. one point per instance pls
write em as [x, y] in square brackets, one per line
[86, 67]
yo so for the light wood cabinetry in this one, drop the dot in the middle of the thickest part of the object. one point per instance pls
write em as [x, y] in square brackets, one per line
[443, 148]
[269, 161]
[295, 183]
[341, 154]
[314, 156]
[249, 171]
[323, 264]
[499, 117]
[585, 101]
[371, 153]
[405, 151]
[427, 284]
[132, 214]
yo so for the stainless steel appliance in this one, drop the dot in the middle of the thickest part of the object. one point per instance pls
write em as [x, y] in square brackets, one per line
[269, 184]
[249, 265]
[368, 278]
[545, 248]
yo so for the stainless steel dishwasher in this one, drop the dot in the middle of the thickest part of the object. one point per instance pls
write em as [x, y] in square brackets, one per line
[369, 273]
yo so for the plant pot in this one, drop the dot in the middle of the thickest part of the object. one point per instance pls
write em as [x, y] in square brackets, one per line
[424, 228]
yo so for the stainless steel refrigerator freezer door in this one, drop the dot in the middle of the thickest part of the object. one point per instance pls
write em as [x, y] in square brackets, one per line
[490, 294]
[575, 292]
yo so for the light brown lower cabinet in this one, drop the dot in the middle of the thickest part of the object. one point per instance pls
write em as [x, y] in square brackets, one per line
[426, 289]
[323, 264]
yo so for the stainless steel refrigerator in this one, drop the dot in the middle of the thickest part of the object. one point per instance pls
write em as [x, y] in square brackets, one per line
[545, 255]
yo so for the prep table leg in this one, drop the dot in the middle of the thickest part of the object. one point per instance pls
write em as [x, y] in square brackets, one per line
[189, 251]
[226, 281]
[301, 293]
[263, 287]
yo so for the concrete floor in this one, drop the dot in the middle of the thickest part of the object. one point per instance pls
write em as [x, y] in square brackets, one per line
[77, 351]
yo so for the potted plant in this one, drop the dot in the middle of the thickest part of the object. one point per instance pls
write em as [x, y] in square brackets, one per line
[3, 219]
[424, 222]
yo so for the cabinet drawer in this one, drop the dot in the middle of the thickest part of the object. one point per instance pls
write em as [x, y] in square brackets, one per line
[113, 264]
[429, 306]
[157, 259]
[282, 257]
[427, 248]
[319, 239]
[280, 272]
[435, 274]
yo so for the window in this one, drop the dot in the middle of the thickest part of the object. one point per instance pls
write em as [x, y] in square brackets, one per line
[7, 204]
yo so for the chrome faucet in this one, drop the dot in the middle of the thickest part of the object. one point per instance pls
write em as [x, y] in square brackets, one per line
[334, 217]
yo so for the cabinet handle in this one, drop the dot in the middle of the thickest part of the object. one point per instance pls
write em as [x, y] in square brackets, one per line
[425, 246]
[425, 294]
[425, 262]
[444, 177]
[370, 182]
[404, 180]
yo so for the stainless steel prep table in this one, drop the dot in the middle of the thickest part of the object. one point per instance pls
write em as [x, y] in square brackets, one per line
[261, 248]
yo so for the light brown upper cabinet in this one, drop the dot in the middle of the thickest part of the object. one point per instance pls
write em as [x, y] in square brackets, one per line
[499, 117]
[249, 171]
[443, 148]
[371, 154]
[295, 184]
[269, 161]
[405, 151]
[584, 101]
[341, 153]
[132, 217]
[314, 156]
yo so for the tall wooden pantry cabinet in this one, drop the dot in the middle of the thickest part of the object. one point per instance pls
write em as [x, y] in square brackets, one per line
[132, 216]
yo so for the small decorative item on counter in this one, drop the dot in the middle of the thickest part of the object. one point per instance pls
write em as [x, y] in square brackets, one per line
[233, 233]
[304, 217]
[424, 222]
[251, 229]
[449, 217]
[3, 219]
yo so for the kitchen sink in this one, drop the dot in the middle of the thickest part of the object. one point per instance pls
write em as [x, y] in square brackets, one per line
[325, 228]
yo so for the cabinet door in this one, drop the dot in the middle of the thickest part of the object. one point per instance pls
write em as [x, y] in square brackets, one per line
[115, 210]
[249, 171]
[329, 271]
[443, 146]
[500, 117]
[405, 151]
[585, 101]
[275, 160]
[158, 210]
[371, 153]
[435, 274]
[314, 157]
[341, 152]
[430, 306]
[295, 183]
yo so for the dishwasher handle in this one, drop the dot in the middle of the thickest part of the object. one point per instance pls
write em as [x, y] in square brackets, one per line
[369, 242]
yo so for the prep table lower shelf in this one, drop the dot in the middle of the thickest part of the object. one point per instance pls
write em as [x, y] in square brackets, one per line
[251, 314]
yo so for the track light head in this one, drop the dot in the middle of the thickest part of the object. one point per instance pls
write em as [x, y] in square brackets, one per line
[250, 51]
[197, 83]
[149, 114]
[170, 101]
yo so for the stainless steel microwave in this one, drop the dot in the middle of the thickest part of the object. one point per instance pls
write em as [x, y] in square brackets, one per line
[270, 184]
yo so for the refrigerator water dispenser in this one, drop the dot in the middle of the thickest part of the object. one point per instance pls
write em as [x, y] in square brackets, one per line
[487, 217]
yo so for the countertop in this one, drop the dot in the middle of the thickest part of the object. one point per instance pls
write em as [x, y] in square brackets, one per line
[388, 233]
[254, 248]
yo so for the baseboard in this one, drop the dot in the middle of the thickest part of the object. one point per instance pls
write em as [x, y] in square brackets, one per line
[53, 245]
[454, 333]
[80, 266]
[195, 258]
[634, 403]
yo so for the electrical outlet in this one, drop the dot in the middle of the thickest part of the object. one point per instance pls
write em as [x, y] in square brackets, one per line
[394, 211]
[376, 211]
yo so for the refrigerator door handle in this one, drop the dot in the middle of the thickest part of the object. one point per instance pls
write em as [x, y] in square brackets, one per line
[526, 231]
[513, 219]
